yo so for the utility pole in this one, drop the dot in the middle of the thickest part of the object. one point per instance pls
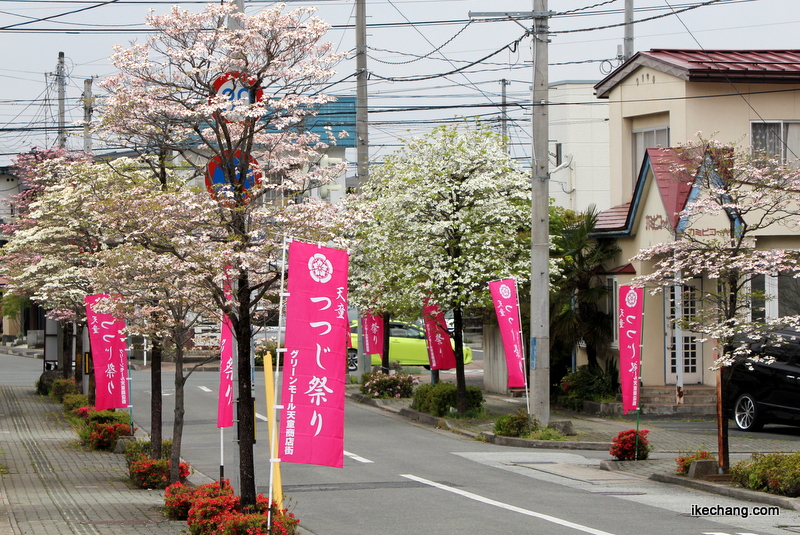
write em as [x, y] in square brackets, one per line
[362, 119]
[628, 41]
[504, 116]
[61, 80]
[540, 219]
[540, 214]
[88, 107]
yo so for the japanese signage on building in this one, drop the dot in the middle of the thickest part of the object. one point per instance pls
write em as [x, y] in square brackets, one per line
[631, 302]
[314, 367]
[506, 305]
[110, 357]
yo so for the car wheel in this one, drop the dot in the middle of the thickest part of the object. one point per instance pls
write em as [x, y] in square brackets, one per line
[745, 413]
[352, 360]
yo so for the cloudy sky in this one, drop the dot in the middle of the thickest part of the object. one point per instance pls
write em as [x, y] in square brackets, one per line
[407, 39]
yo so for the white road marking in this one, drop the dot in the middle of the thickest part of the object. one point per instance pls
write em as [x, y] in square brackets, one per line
[357, 458]
[488, 501]
[205, 389]
[261, 417]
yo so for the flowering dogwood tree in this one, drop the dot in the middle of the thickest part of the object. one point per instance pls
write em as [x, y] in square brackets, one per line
[230, 101]
[745, 199]
[446, 214]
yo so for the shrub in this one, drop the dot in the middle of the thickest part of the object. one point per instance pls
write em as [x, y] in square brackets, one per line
[62, 387]
[214, 509]
[589, 382]
[519, 424]
[383, 386]
[149, 473]
[548, 433]
[684, 460]
[108, 417]
[70, 402]
[178, 498]
[625, 447]
[103, 437]
[143, 448]
[206, 510]
[771, 472]
[441, 398]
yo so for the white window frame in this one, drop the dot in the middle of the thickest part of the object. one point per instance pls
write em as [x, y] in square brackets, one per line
[787, 153]
[638, 152]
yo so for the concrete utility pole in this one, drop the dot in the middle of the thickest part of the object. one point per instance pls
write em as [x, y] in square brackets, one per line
[362, 119]
[628, 41]
[540, 214]
[540, 220]
[88, 107]
[61, 80]
[504, 116]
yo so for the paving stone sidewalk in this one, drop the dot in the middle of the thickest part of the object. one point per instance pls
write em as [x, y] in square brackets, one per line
[52, 486]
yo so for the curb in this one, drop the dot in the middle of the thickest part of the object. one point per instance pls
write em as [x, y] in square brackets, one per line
[452, 425]
[731, 492]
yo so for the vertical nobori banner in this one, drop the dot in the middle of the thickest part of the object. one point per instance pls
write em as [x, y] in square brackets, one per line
[312, 393]
[110, 357]
[372, 325]
[631, 302]
[506, 305]
[225, 401]
[440, 350]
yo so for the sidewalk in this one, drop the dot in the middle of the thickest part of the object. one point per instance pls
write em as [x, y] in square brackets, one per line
[51, 486]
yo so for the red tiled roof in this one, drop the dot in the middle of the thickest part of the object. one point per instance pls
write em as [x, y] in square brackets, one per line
[751, 66]
[614, 218]
[673, 185]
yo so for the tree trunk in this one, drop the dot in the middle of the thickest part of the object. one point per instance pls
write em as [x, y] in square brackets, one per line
[386, 334]
[461, 380]
[723, 380]
[180, 410]
[246, 409]
[156, 402]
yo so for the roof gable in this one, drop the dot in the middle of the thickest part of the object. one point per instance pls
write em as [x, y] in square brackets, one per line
[751, 66]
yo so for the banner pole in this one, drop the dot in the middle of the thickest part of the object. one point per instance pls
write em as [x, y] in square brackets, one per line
[221, 457]
[636, 442]
[274, 461]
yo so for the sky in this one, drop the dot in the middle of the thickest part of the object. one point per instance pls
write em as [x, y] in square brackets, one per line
[412, 46]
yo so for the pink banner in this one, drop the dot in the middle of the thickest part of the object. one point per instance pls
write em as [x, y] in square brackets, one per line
[314, 368]
[631, 302]
[372, 325]
[110, 357]
[440, 349]
[225, 399]
[506, 305]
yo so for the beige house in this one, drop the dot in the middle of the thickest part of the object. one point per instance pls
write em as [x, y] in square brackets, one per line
[659, 98]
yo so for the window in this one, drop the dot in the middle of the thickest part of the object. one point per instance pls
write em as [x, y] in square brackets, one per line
[774, 296]
[776, 139]
[647, 139]
[689, 303]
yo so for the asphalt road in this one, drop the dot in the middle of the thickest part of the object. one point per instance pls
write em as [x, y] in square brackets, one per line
[404, 478]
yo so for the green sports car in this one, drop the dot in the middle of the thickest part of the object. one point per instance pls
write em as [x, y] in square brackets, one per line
[407, 345]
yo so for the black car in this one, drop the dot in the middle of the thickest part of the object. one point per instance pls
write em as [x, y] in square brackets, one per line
[767, 393]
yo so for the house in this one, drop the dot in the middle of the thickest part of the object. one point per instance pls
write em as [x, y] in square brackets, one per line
[660, 98]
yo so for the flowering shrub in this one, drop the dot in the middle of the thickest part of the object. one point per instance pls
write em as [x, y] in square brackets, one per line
[84, 412]
[147, 473]
[624, 446]
[70, 402]
[214, 509]
[178, 498]
[104, 436]
[776, 473]
[382, 386]
[684, 461]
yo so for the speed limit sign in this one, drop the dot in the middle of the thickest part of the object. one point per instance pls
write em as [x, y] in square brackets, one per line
[235, 88]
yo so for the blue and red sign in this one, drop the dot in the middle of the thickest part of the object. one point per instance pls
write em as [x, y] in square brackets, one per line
[231, 85]
[218, 181]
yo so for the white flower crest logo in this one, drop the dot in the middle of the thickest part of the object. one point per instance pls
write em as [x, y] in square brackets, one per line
[505, 291]
[631, 298]
[320, 268]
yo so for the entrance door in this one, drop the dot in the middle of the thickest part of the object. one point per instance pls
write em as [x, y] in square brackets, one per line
[691, 348]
